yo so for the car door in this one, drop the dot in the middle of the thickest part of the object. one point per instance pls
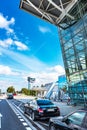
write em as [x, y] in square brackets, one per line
[75, 120]
[84, 124]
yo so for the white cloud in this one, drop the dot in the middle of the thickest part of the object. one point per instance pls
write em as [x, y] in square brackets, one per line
[44, 29]
[20, 45]
[46, 76]
[20, 81]
[5, 70]
[9, 42]
[6, 43]
[35, 69]
[5, 24]
[59, 69]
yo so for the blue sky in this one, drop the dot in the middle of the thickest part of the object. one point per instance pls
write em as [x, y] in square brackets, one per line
[29, 46]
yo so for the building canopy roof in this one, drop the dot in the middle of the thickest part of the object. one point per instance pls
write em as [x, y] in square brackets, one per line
[53, 11]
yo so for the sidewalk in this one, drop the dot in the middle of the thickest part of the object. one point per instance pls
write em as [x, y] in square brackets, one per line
[66, 109]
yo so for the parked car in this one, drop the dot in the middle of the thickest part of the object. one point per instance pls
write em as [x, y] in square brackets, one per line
[9, 96]
[41, 109]
[74, 121]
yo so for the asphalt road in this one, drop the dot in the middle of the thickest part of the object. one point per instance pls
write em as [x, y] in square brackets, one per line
[9, 120]
[15, 119]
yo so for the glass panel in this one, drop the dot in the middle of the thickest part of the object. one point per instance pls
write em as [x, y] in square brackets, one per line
[74, 48]
[68, 44]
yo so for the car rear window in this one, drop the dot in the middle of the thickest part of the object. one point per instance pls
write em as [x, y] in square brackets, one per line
[44, 102]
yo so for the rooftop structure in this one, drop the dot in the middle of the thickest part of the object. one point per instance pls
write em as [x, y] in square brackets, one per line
[53, 11]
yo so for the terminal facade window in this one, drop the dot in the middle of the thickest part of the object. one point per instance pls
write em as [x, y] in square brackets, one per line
[73, 39]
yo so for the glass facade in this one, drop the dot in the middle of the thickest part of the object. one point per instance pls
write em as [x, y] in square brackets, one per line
[73, 39]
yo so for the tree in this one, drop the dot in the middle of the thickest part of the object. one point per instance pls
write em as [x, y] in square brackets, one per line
[11, 89]
[25, 91]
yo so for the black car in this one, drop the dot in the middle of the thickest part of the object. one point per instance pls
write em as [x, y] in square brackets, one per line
[9, 96]
[41, 109]
[74, 121]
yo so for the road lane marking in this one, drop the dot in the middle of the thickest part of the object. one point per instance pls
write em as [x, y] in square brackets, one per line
[17, 110]
[0, 119]
[19, 104]
[21, 119]
[19, 116]
[24, 123]
[28, 128]
[36, 123]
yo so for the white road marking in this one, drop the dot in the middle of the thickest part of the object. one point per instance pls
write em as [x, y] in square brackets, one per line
[21, 119]
[17, 114]
[28, 128]
[24, 123]
[17, 110]
[20, 104]
[0, 119]
[42, 128]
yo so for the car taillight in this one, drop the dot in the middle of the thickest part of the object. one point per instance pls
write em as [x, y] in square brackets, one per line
[40, 110]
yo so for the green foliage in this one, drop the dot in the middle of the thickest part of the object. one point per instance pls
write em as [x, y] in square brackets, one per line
[25, 91]
[28, 92]
[11, 89]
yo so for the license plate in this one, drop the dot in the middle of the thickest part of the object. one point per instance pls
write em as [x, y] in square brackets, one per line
[50, 110]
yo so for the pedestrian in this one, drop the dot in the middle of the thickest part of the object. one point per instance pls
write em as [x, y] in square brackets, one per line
[68, 102]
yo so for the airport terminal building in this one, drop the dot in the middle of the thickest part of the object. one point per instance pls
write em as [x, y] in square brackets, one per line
[70, 16]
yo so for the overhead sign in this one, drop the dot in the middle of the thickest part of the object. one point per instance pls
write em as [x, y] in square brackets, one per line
[31, 80]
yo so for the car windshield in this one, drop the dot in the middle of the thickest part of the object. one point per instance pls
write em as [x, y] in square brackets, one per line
[44, 102]
[77, 117]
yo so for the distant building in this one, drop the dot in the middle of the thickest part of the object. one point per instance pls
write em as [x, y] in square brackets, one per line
[62, 81]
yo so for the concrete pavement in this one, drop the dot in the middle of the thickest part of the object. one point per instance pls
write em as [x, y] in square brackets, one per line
[66, 109]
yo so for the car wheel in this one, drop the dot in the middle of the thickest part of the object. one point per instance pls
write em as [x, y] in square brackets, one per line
[33, 116]
[52, 127]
